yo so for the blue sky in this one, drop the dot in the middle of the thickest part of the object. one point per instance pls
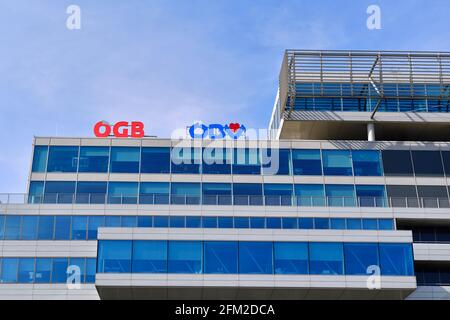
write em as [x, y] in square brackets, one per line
[169, 63]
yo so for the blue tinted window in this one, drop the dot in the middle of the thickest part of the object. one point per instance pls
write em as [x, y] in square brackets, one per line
[256, 257]
[155, 160]
[273, 223]
[247, 194]
[371, 196]
[354, 224]
[94, 223]
[125, 159]
[9, 270]
[370, 224]
[12, 227]
[278, 194]
[45, 229]
[321, 223]
[149, 257]
[246, 161]
[291, 258]
[289, 223]
[221, 257]
[129, 222]
[306, 162]
[59, 270]
[326, 258]
[81, 264]
[154, 193]
[193, 222]
[217, 161]
[396, 259]
[145, 222]
[337, 224]
[225, 222]
[161, 221]
[91, 192]
[29, 227]
[59, 191]
[90, 270]
[94, 159]
[26, 270]
[241, 222]
[385, 224]
[40, 158]
[79, 227]
[177, 222]
[62, 227]
[112, 221]
[216, 193]
[36, 192]
[311, 195]
[185, 193]
[209, 222]
[114, 256]
[337, 163]
[257, 223]
[122, 192]
[62, 159]
[276, 161]
[43, 270]
[2, 227]
[306, 223]
[185, 257]
[186, 160]
[367, 163]
[340, 195]
[359, 257]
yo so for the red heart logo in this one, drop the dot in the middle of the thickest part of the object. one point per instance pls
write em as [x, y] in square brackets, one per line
[234, 127]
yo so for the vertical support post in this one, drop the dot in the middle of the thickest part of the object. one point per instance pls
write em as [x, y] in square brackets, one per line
[371, 132]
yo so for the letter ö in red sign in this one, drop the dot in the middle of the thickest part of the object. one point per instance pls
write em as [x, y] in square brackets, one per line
[120, 129]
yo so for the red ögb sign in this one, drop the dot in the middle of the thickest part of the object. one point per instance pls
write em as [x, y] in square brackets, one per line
[121, 129]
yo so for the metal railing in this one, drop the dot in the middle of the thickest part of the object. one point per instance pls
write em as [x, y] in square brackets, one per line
[235, 200]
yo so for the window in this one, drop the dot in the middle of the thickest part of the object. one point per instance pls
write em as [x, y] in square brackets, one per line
[306, 223]
[9, 270]
[402, 196]
[396, 259]
[276, 161]
[306, 162]
[278, 194]
[427, 163]
[241, 222]
[221, 257]
[185, 193]
[289, 223]
[94, 222]
[29, 228]
[62, 227]
[59, 270]
[209, 222]
[122, 192]
[256, 257]
[326, 258]
[36, 192]
[246, 161]
[257, 223]
[59, 191]
[371, 196]
[433, 196]
[94, 159]
[81, 264]
[125, 159]
[291, 258]
[46, 226]
[225, 222]
[340, 195]
[144, 222]
[310, 195]
[114, 256]
[26, 270]
[248, 194]
[193, 222]
[149, 257]
[12, 227]
[43, 270]
[217, 161]
[337, 163]
[354, 224]
[129, 222]
[112, 221]
[367, 163]
[216, 193]
[91, 192]
[446, 161]
[321, 223]
[161, 221]
[359, 257]
[385, 224]
[40, 159]
[273, 223]
[370, 224]
[186, 160]
[154, 193]
[185, 257]
[79, 227]
[90, 270]
[337, 224]
[397, 163]
[62, 159]
[177, 222]
[155, 160]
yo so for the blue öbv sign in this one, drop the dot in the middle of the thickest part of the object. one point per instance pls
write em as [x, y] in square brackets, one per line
[216, 131]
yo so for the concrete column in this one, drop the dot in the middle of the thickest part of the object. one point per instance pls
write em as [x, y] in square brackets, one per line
[371, 132]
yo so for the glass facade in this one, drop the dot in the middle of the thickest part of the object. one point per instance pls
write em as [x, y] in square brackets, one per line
[241, 257]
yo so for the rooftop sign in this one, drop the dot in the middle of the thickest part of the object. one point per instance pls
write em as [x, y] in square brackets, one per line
[121, 129]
